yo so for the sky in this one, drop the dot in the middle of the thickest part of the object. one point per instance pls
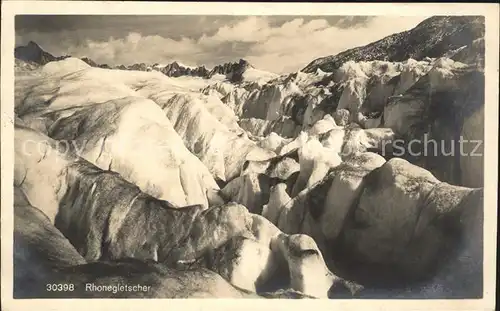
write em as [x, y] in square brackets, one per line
[277, 44]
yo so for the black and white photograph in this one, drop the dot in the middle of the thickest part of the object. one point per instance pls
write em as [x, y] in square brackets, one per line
[261, 156]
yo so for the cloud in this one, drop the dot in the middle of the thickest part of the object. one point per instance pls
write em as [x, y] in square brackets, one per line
[295, 44]
[277, 44]
[251, 29]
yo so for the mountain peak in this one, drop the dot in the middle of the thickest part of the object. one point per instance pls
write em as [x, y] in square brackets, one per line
[33, 44]
[234, 71]
[32, 52]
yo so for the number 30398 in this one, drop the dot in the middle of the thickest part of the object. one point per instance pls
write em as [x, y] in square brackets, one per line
[60, 287]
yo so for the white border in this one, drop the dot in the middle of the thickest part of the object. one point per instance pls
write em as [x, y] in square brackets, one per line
[11, 8]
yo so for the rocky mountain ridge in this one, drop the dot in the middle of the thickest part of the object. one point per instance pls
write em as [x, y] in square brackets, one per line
[433, 37]
[233, 71]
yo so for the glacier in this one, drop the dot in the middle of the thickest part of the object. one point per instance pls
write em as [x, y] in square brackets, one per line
[243, 183]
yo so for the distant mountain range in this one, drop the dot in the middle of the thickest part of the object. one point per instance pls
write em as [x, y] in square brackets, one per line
[33, 53]
[434, 37]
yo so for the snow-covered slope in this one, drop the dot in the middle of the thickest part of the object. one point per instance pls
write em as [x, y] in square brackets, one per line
[258, 76]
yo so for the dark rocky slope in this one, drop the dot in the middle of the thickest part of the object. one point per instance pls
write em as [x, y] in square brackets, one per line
[431, 38]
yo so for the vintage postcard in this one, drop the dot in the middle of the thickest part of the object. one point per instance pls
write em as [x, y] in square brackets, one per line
[296, 155]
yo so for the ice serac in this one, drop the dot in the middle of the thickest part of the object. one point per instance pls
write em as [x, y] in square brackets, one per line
[273, 142]
[282, 104]
[401, 186]
[323, 126]
[254, 187]
[344, 190]
[355, 92]
[283, 126]
[222, 146]
[364, 87]
[277, 199]
[251, 190]
[124, 132]
[356, 140]
[34, 156]
[462, 274]
[390, 216]
[315, 162]
[24, 67]
[425, 225]
[470, 54]
[438, 111]
[39, 248]
[472, 161]
[263, 102]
